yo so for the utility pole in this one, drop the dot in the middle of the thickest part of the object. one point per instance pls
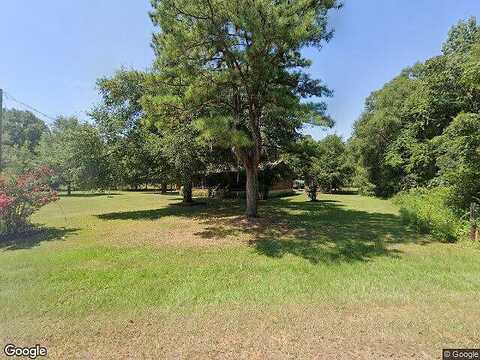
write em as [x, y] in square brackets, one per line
[1, 128]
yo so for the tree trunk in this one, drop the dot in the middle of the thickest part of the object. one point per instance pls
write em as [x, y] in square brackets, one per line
[251, 191]
[263, 192]
[473, 221]
[266, 193]
[187, 192]
[69, 189]
[473, 233]
[312, 192]
[164, 188]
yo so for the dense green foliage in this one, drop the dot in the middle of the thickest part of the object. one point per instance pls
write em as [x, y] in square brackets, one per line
[22, 128]
[422, 130]
[322, 165]
[22, 132]
[459, 159]
[332, 166]
[73, 150]
[271, 173]
[429, 212]
[136, 154]
[147, 144]
[405, 128]
[76, 153]
[302, 156]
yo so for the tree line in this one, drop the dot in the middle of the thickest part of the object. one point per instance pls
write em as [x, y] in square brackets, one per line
[422, 129]
[418, 138]
[104, 154]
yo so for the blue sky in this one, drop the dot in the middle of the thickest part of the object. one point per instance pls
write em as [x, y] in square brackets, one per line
[53, 51]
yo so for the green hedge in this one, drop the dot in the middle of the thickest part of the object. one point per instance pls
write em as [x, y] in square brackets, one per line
[428, 212]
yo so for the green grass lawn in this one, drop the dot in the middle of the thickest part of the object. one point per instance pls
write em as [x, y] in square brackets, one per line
[134, 275]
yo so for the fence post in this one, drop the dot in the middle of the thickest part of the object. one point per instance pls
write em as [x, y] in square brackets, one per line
[473, 222]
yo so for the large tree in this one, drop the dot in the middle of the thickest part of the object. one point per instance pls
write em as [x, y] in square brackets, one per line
[76, 153]
[171, 116]
[134, 149]
[332, 167]
[22, 128]
[22, 131]
[120, 111]
[302, 156]
[236, 70]
[322, 165]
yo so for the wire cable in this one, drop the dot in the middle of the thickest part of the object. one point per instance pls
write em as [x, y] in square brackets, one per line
[10, 97]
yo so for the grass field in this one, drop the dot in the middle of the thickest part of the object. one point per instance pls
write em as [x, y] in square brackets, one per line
[133, 275]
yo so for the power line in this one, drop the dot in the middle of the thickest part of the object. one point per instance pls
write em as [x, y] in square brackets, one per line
[10, 97]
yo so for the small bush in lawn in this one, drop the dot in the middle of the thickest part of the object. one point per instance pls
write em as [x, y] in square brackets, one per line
[21, 196]
[427, 210]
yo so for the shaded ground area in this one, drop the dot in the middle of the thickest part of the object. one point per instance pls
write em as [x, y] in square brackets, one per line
[325, 230]
[88, 195]
[34, 237]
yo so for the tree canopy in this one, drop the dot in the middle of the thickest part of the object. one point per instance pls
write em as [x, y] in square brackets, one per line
[323, 165]
[75, 152]
[22, 132]
[395, 140]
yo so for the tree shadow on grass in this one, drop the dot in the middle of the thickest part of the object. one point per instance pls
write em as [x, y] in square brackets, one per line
[87, 195]
[327, 231]
[204, 209]
[321, 231]
[34, 237]
[324, 231]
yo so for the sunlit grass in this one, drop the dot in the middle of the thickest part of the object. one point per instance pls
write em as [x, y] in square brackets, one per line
[140, 253]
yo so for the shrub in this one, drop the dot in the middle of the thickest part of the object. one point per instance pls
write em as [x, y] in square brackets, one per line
[21, 196]
[360, 182]
[427, 210]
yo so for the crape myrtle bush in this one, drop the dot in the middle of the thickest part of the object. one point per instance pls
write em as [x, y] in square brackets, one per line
[21, 196]
[429, 211]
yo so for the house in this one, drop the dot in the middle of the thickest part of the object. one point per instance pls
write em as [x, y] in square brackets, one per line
[274, 179]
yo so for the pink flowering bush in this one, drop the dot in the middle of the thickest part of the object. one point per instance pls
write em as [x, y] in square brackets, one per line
[21, 196]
